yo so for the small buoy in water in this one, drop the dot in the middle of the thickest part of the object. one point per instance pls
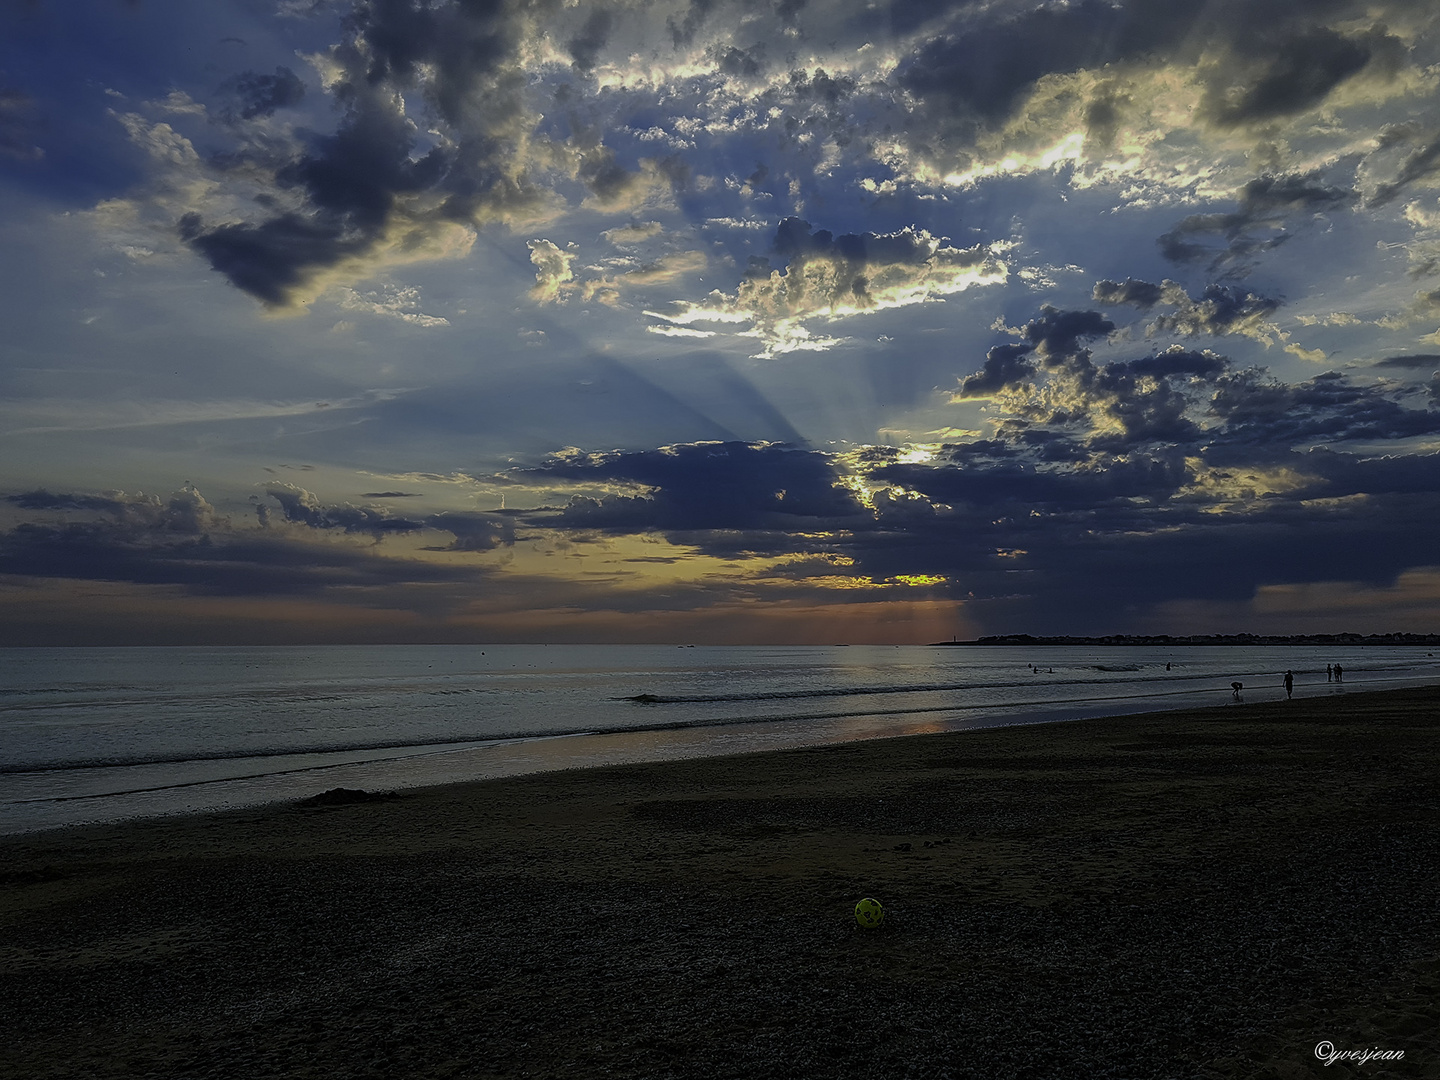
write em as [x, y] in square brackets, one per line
[869, 913]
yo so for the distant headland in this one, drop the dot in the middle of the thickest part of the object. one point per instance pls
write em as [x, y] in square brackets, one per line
[1207, 639]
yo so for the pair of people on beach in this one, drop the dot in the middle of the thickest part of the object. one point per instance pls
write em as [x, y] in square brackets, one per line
[1335, 673]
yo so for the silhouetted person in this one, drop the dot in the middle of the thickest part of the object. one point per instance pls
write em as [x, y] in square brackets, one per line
[1339, 673]
[1289, 684]
[1236, 688]
[1329, 673]
[1167, 667]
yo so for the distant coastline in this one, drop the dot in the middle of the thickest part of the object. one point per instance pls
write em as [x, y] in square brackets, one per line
[1206, 639]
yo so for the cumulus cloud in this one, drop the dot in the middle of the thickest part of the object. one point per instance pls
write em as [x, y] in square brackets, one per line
[180, 542]
[827, 277]
[305, 508]
[184, 511]
[392, 302]
[553, 276]
[1219, 310]
[1271, 75]
[1051, 397]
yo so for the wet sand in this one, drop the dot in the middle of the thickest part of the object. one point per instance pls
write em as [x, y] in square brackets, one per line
[1207, 893]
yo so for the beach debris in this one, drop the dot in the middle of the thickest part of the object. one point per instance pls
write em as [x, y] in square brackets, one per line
[342, 796]
[869, 913]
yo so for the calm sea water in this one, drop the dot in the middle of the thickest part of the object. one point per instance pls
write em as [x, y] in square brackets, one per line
[104, 734]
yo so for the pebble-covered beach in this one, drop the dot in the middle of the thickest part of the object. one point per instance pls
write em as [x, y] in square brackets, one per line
[1199, 894]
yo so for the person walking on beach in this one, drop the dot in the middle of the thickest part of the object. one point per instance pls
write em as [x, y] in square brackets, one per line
[1329, 673]
[1339, 673]
[1289, 684]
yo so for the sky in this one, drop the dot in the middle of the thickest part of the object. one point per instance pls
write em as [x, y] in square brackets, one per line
[717, 321]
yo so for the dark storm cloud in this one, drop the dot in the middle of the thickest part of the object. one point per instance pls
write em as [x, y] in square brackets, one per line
[1257, 62]
[1172, 363]
[1056, 335]
[1256, 225]
[1053, 338]
[1257, 409]
[702, 486]
[270, 259]
[230, 565]
[351, 180]
[180, 541]
[1066, 409]
[985, 68]
[260, 95]
[1290, 72]
[1005, 365]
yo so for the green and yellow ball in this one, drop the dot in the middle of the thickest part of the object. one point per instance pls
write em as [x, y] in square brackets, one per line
[869, 914]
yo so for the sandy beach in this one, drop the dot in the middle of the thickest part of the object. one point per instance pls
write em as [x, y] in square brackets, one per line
[1209, 893]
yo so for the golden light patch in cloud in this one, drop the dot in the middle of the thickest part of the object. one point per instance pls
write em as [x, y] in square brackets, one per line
[918, 453]
[1315, 356]
[1229, 490]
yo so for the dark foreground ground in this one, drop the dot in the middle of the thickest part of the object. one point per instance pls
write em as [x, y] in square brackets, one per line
[1204, 894]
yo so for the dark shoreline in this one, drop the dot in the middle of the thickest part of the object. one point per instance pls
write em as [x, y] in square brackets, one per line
[1205, 893]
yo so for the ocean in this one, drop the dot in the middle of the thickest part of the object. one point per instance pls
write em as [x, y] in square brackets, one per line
[103, 734]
